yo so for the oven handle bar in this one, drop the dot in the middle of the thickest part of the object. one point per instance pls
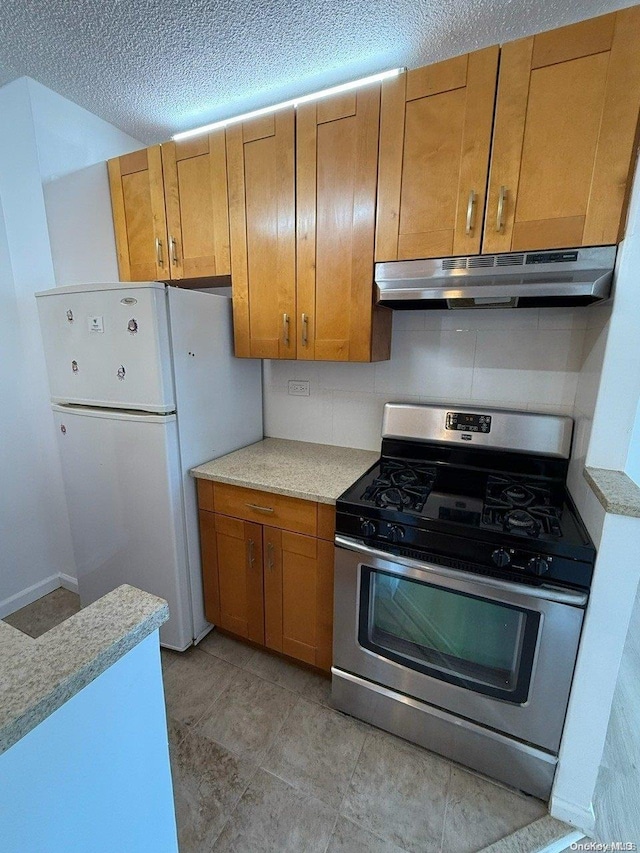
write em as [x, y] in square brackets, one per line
[576, 599]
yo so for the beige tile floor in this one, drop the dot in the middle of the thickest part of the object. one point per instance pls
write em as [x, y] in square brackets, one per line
[38, 618]
[261, 762]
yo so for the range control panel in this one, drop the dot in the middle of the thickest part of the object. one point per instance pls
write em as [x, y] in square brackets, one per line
[468, 422]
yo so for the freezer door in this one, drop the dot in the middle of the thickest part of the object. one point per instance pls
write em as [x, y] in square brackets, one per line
[108, 345]
[124, 494]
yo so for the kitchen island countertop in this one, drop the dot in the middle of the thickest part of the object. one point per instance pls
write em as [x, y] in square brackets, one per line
[299, 469]
[37, 676]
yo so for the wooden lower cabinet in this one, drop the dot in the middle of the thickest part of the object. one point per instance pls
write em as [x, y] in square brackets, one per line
[298, 596]
[232, 571]
[269, 585]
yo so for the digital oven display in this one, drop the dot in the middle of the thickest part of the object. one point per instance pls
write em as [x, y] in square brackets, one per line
[465, 422]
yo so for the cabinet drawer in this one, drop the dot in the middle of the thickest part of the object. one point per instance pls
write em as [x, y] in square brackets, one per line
[280, 511]
[205, 494]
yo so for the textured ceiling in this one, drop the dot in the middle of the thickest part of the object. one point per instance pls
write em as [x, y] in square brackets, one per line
[153, 67]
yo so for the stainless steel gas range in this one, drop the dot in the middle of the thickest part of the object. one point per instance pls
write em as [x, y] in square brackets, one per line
[462, 576]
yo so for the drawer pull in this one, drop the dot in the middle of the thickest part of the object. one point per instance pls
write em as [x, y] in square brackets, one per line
[260, 508]
[252, 556]
[270, 560]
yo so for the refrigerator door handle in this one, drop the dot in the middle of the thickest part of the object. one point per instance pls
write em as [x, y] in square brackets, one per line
[115, 414]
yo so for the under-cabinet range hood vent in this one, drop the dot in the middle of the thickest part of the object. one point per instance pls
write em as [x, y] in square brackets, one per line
[510, 280]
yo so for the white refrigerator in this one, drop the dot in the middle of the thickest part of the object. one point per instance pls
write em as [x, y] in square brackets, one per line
[144, 386]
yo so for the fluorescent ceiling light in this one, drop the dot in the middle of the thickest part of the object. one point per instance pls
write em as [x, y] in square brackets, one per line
[294, 102]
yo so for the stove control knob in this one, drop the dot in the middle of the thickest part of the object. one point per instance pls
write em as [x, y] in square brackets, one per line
[396, 533]
[367, 528]
[538, 566]
[501, 558]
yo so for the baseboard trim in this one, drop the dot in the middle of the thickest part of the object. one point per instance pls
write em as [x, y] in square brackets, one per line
[28, 595]
[562, 844]
[33, 593]
[578, 816]
[68, 582]
[544, 835]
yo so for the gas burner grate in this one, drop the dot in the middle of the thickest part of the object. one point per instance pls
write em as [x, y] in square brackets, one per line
[520, 506]
[400, 486]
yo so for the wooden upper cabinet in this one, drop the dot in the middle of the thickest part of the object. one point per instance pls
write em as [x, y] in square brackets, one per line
[435, 136]
[195, 188]
[137, 201]
[564, 136]
[261, 172]
[336, 162]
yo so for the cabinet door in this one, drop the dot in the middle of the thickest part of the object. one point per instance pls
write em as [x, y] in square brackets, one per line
[299, 596]
[337, 145]
[195, 187]
[209, 557]
[566, 119]
[260, 162]
[232, 571]
[137, 202]
[435, 135]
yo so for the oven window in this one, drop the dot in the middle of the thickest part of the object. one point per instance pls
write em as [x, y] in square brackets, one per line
[475, 642]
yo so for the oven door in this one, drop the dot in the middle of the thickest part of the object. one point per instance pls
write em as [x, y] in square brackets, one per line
[499, 653]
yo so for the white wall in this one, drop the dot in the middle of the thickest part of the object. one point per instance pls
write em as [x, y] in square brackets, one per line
[37, 124]
[610, 606]
[523, 358]
[36, 542]
[83, 246]
[606, 409]
[95, 775]
[73, 145]
[632, 466]
[70, 137]
[595, 342]
[617, 402]
[617, 794]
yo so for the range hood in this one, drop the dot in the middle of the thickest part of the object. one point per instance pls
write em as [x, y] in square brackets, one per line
[510, 280]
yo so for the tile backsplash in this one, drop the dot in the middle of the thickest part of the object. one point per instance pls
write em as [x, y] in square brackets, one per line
[525, 358]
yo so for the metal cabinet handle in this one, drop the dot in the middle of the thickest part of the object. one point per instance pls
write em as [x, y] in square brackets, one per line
[470, 211]
[159, 252]
[174, 250]
[285, 329]
[305, 330]
[501, 202]
[270, 560]
[252, 555]
[260, 508]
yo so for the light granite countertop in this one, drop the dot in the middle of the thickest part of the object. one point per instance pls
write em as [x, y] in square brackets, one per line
[38, 676]
[617, 493]
[315, 472]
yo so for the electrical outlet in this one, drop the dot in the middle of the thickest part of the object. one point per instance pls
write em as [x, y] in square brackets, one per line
[299, 387]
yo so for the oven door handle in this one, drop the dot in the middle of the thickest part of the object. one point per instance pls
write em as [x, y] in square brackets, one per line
[561, 596]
